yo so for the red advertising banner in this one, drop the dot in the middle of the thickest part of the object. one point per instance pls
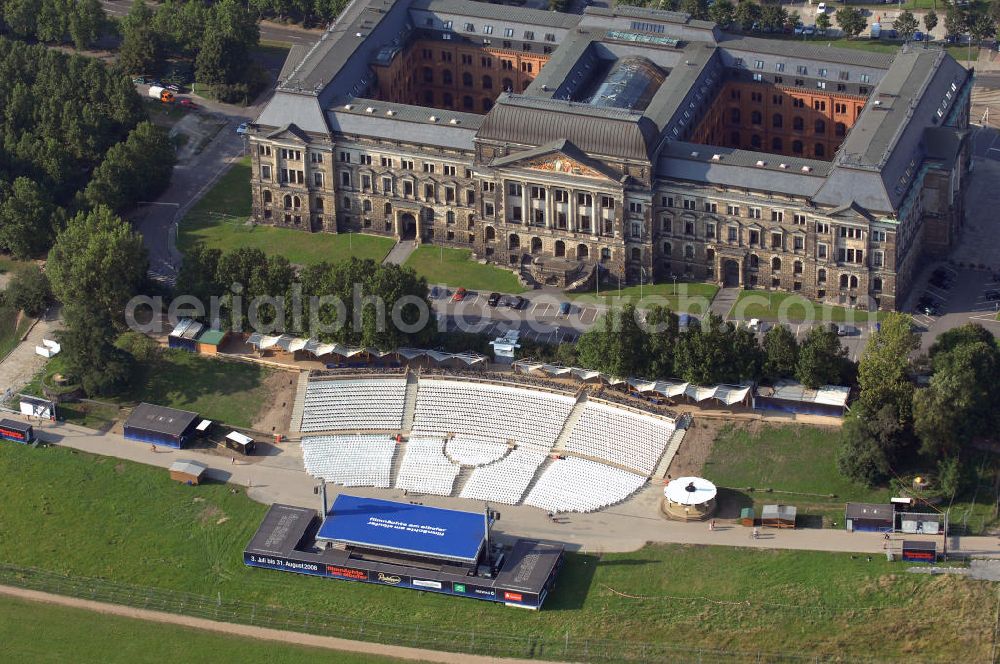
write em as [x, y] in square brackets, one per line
[347, 573]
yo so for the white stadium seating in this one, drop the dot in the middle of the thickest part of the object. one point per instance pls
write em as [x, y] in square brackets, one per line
[351, 460]
[354, 405]
[474, 452]
[620, 436]
[490, 413]
[505, 480]
[425, 468]
[579, 485]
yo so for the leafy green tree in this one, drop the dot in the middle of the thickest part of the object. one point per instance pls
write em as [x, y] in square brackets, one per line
[954, 21]
[884, 371]
[781, 353]
[906, 24]
[662, 333]
[616, 346]
[229, 34]
[29, 291]
[98, 261]
[746, 14]
[850, 20]
[27, 219]
[821, 358]
[20, 17]
[980, 25]
[861, 456]
[141, 51]
[89, 352]
[717, 352]
[137, 169]
[930, 20]
[696, 8]
[86, 22]
[197, 276]
[141, 348]
[51, 22]
[722, 12]
[823, 22]
[773, 17]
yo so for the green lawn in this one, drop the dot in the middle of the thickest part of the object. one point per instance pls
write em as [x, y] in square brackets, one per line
[36, 632]
[218, 221]
[75, 513]
[225, 391]
[454, 267]
[798, 459]
[684, 297]
[789, 307]
[9, 264]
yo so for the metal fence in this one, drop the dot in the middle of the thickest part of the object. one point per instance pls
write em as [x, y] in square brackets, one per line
[417, 636]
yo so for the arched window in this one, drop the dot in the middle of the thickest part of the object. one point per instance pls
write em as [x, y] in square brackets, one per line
[798, 124]
[387, 209]
[514, 242]
[821, 276]
[843, 281]
[840, 129]
[582, 251]
[296, 202]
[428, 75]
[734, 139]
[776, 144]
[775, 264]
[467, 79]
[668, 249]
[854, 281]
[734, 115]
[819, 150]
[267, 196]
[491, 234]
[536, 245]
[797, 267]
[636, 254]
[470, 221]
[449, 217]
[366, 205]
[560, 248]
[777, 120]
[487, 82]
[756, 118]
[448, 99]
[428, 97]
[688, 251]
[754, 261]
[508, 85]
[346, 203]
[755, 142]
[467, 103]
[446, 77]
[605, 254]
[877, 284]
[820, 126]
[287, 202]
[797, 147]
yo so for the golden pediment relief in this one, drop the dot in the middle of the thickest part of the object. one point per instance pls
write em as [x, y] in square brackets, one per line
[561, 164]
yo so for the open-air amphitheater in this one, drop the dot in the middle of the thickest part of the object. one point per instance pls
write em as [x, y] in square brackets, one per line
[491, 440]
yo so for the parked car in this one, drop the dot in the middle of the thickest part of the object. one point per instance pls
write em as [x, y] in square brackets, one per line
[517, 302]
[821, 8]
[188, 104]
[809, 30]
[243, 129]
[992, 295]
[437, 292]
[493, 300]
[798, 28]
[930, 309]
[564, 309]
[459, 295]
[847, 331]
[918, 36]
[173, 87]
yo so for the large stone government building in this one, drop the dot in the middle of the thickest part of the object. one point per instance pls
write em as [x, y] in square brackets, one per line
[639, 142]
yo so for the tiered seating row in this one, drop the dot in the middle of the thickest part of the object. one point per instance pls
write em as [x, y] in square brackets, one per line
[506, 480]
[579, 485]
[474, 452]
[620, 436]
[354, 460]
[490, 413]
[354, 404]
[425, 468]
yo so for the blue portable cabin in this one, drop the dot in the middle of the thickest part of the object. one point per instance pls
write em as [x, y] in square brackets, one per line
[160, 425]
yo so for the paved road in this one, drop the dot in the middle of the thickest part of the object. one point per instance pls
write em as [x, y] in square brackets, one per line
[628, 526]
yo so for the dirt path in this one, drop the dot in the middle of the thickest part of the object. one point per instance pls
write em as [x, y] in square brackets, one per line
[263, 633]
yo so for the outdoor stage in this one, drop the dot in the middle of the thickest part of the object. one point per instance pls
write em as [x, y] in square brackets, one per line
[408, 546]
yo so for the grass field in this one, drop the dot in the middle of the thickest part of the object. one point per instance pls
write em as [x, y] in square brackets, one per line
[230, 392]
[36, 632]
[684, 297]
[130, 523]
[790, 307]
[797, 459]
[454, 267]
[218, 222]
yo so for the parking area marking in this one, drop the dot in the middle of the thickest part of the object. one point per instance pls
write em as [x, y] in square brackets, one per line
[588, 315]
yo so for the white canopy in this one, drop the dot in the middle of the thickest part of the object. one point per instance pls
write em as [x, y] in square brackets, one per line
[690, 491]
[239, 438]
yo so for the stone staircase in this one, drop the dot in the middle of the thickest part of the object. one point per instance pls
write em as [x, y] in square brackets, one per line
[397, 461]
[668, 455]
[574, 416]
[463, 476]
[299, 404]
[534, 480]
[409, 403]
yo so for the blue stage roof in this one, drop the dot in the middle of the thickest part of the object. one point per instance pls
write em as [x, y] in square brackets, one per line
[404, 528]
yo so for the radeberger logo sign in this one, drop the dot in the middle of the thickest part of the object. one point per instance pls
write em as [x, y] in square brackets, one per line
[388, 578]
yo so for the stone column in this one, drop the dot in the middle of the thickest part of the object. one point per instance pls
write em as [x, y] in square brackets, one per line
[525, 209]
[549, 208]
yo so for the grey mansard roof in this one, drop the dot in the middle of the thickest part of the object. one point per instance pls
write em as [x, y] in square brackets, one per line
[610, 132]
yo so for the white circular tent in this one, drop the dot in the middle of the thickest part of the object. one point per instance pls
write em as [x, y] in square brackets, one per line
[689, 498]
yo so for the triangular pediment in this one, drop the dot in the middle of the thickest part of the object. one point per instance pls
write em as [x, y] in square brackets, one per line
[290, 132]
[559, 157]
[850, 212]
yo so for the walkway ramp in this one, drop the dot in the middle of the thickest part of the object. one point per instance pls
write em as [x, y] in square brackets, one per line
[574, 416]
[410, 402]
[400, 252]
[299, 404]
